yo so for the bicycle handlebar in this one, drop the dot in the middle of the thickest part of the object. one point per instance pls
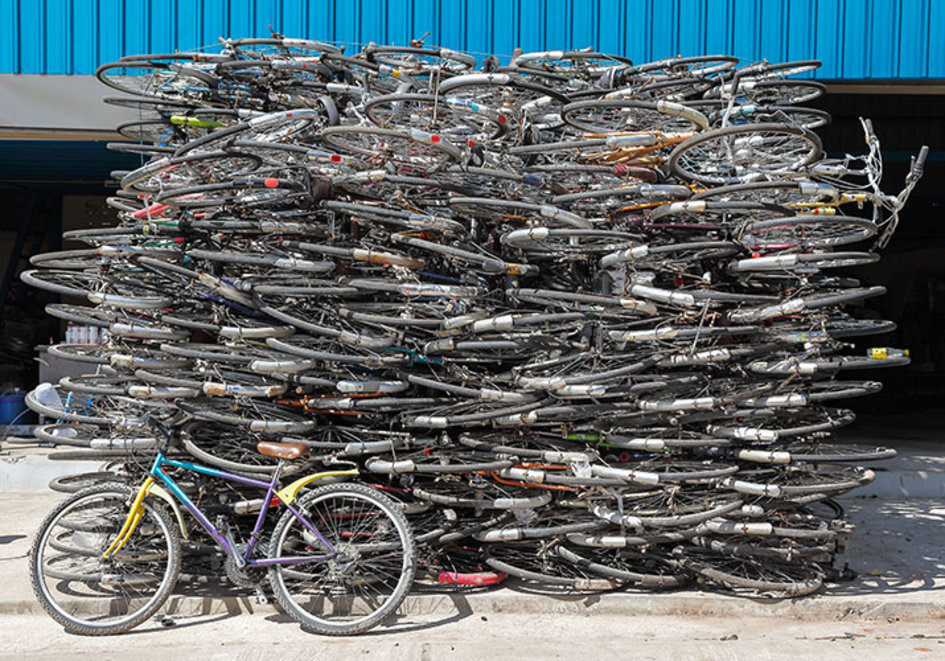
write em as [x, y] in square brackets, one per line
[166, 431]
[918, 165]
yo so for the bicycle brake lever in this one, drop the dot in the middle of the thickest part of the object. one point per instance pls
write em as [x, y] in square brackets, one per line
[167, 431]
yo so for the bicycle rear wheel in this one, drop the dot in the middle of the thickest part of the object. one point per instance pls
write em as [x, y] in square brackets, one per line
[93, 596]
[368, 576]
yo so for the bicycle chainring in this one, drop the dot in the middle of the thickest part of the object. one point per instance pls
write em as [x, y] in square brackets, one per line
[245, 577]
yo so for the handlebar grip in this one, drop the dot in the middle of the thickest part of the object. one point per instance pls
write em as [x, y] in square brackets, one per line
[918, 165]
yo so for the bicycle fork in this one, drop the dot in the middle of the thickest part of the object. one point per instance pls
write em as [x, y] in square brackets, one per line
[135, 513]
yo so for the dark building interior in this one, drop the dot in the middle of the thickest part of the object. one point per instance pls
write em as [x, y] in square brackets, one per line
[912, 267]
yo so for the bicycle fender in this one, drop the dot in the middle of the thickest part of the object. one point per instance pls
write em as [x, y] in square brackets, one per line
[289, 493]
[155, 490]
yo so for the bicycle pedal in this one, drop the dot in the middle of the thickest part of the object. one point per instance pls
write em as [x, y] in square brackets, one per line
[261, 597]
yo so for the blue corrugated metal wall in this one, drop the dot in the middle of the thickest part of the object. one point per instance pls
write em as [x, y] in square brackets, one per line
[855, 39]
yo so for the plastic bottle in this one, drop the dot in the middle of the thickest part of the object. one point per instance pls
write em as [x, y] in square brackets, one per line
[70, 334]
[45, 393]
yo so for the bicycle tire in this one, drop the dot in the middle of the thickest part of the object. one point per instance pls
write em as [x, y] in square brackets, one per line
[67, 602]
[62, 414]
[632, 116]
[753, 547]
[240, 454]
[81, 314]
[392, 537]
[79, 481]
[459, 120]
[759, 576]
[787, 92]
[271, 418]
[833, 452]
[148, 81]
[804, 231]
[699, 66]
[524, 561]
[829, 479]
[684, 161]
[97, 384]
[67, 434]
[610, 567]
[418, 148]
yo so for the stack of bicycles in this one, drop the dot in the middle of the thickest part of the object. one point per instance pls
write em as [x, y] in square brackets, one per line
[582, 321]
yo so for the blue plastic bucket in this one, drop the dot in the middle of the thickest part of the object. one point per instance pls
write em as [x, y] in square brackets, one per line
[12, 404]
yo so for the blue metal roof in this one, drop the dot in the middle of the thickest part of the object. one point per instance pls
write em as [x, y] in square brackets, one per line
[855, 39]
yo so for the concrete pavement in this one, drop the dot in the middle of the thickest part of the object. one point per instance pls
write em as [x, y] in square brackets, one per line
[468, 635]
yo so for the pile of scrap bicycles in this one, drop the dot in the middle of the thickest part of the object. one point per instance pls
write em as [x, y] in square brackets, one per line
[587, 322]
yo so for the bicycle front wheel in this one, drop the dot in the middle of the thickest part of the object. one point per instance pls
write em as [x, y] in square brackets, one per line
[367, 577]
[93, 596]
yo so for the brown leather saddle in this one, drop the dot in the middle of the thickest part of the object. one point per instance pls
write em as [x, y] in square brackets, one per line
[284, 450]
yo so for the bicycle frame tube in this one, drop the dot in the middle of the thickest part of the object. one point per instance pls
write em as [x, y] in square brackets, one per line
[271, 498]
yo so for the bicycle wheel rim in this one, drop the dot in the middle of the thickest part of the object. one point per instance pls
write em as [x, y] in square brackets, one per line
[389, 554]
[98, 597]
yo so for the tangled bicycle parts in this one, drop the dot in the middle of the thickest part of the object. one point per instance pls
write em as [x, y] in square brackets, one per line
[583, 318]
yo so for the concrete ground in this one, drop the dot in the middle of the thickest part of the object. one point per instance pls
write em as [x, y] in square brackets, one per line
[470, 635]
[894, 609]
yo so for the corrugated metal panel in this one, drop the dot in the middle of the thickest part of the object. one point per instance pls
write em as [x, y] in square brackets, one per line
[861, 39]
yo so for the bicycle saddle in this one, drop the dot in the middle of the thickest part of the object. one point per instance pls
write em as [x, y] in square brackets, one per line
[288, 451]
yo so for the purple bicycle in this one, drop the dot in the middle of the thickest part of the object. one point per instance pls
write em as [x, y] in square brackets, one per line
[340, 559]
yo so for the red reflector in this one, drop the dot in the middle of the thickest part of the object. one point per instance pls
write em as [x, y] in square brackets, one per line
[335, 158]
[434, 138]
[271, 182]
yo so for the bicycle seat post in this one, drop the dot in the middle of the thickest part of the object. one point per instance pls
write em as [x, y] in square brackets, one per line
[276, 474]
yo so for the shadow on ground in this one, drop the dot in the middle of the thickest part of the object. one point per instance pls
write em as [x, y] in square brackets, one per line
[898, 546]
